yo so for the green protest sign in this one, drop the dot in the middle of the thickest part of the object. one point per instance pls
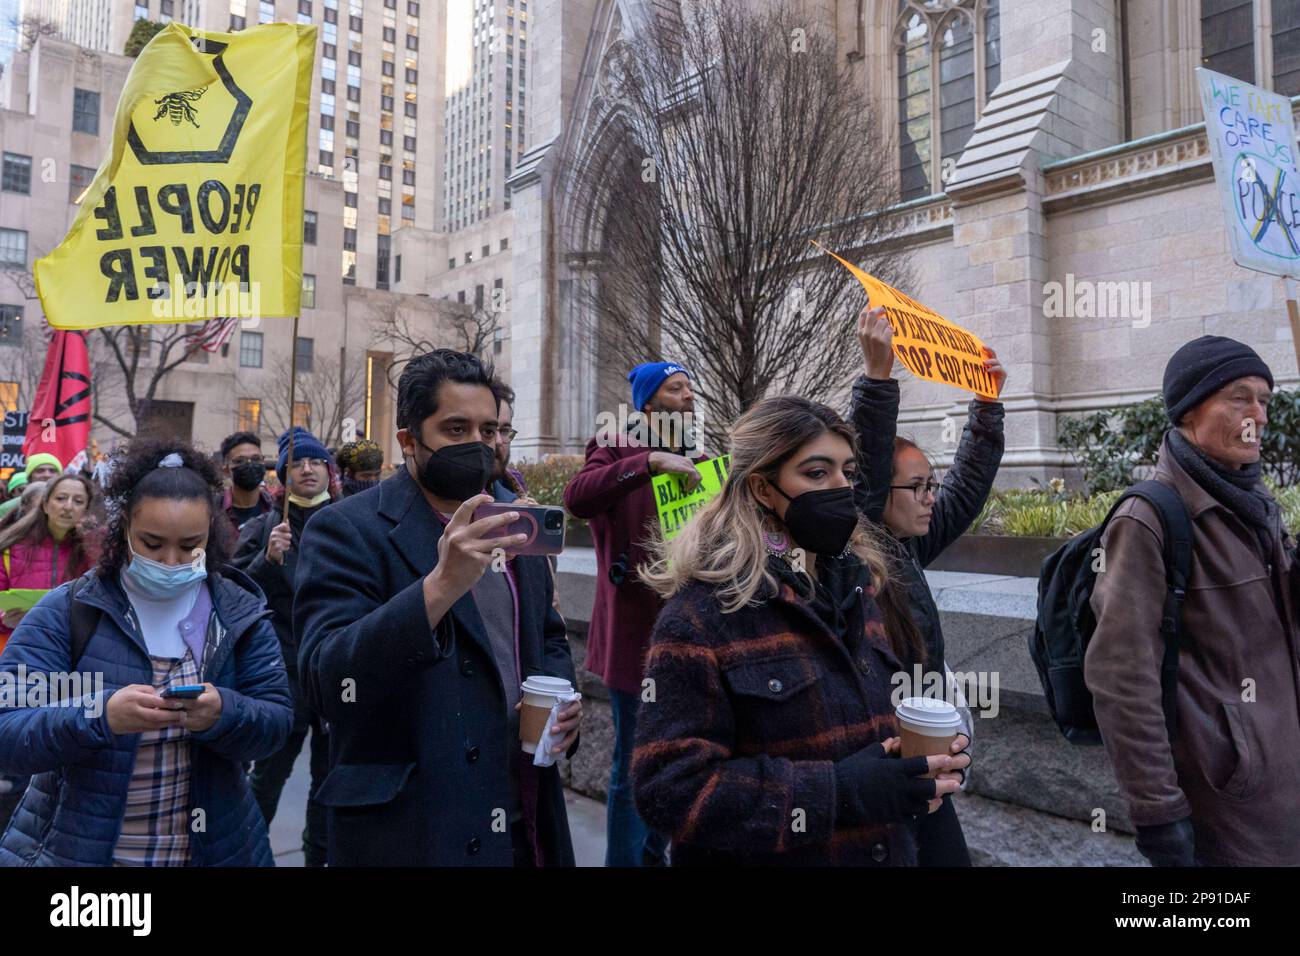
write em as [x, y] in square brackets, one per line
[676, 504]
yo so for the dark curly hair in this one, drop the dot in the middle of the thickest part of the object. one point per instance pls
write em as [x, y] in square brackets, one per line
[135, 475]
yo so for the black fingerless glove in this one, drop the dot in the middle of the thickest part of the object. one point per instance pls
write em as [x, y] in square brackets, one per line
[873, 788]
[1168, 844]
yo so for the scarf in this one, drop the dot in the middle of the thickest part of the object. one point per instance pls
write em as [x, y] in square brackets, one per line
[1237, 489]
[302, 502]
[832, 594]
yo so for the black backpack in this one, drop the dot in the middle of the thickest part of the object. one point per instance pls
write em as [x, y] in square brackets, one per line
[82, 621]
[1065, 620]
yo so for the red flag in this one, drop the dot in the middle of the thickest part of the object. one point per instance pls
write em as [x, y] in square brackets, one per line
[60, 417]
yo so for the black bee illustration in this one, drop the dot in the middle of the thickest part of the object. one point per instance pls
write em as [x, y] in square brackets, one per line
[176, 106]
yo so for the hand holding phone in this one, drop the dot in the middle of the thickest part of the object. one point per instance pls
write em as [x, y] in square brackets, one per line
[543, 525]
[183, 692]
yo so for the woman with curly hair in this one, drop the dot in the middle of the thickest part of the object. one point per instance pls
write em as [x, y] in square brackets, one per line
[122, 773]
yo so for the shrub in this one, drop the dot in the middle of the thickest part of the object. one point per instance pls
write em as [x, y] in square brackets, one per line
[546, 481]
[1108, 445]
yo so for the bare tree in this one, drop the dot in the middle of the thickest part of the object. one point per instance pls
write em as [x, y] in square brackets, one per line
[331, 393]
[741, 140]
[129, 362]
[471, 329]
[32, 27]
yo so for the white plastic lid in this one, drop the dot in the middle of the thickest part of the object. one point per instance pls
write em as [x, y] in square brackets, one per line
[539, 684]
[929, 712]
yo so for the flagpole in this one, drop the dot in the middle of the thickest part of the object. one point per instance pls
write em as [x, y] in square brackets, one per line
[293, 384]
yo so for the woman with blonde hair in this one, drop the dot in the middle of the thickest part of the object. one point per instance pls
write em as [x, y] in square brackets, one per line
[767, 734]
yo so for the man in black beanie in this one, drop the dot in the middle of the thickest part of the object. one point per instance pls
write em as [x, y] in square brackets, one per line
[1223, 791]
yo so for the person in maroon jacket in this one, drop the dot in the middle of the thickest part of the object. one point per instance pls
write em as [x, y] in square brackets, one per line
[612, 492]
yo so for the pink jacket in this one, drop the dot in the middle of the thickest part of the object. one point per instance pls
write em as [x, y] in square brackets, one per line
[28, 565]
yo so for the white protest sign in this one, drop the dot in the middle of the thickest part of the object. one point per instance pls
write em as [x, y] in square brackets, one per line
[1252, 144]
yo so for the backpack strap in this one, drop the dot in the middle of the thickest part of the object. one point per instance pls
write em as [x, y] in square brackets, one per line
[1177, 525]
[82, 621]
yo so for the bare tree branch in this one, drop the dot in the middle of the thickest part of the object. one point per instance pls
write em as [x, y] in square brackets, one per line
[741, 139]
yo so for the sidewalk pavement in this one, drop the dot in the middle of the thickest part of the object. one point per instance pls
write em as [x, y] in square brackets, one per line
[586, 821]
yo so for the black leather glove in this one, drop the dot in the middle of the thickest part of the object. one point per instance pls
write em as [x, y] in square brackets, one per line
[873, 788]
[1168, 844]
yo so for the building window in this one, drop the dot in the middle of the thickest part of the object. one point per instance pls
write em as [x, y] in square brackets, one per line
[408, 177]
[412, 42]
[79, 177]
[354, 24]
[327, 86]
[385, 171]
[13, 247]
[382, 252]
[309, 228]
[350, 200]
[308, 291]
[386, 103]
[408, 143]
[17, 175]
[11, 325]
[250, 410]
[451, 264]
[412, 8]
[386, 137]
[412, 75]
[305, 351]
[353, 128]
[947, 58]
[237, 23]
[505, 244]
[350, 240]
[385, 206]
[410, 109]
[387, 68]
[85, 111]
[1253, 40]
[250, 350]
[397, 269]
[304, 7]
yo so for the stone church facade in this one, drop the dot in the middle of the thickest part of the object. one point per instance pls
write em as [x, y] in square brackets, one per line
[1056, 197]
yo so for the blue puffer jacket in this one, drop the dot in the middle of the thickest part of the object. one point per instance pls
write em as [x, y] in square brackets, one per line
[72, 812]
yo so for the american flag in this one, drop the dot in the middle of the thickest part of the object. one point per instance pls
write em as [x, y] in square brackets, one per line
[213, 334]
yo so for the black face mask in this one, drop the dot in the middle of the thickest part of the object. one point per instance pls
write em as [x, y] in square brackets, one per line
[247, 476]
[821, 521]
[352, 486]
[457, 472]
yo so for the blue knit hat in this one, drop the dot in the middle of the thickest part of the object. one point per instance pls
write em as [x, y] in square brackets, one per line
[646, 379]
[305, 445]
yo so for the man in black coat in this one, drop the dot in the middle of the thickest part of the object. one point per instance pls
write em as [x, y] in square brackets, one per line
[414, 640]
[268, 553]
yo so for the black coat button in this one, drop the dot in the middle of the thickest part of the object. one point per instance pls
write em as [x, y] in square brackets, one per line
[880, 853]
[467, 668]
[775, 686]
[472, 847]
[865, 666]
[472, 754]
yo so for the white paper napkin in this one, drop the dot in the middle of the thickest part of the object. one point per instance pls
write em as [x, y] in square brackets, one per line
[543, 757]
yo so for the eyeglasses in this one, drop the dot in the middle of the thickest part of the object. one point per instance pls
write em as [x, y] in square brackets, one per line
[313, 462]
[919, 491]
[507, 433]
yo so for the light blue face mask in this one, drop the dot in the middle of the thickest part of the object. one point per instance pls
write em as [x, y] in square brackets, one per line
[161, 580]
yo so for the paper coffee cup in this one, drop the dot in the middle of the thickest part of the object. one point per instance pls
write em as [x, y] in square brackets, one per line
[539, 695]
[927, 726]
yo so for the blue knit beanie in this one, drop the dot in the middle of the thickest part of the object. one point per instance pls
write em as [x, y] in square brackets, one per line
[646, 379]
[305, 445]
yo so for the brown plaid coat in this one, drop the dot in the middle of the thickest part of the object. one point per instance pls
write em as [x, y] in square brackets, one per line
[734, 755]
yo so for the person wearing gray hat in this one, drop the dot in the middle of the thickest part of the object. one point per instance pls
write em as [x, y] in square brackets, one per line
[1221, 792]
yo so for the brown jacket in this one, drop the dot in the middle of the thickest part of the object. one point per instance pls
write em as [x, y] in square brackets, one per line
[1235, 766]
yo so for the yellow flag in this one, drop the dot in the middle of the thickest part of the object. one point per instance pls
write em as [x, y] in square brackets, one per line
[196, 212]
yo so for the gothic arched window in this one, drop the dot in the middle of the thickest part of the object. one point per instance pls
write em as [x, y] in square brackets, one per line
[949, 61]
